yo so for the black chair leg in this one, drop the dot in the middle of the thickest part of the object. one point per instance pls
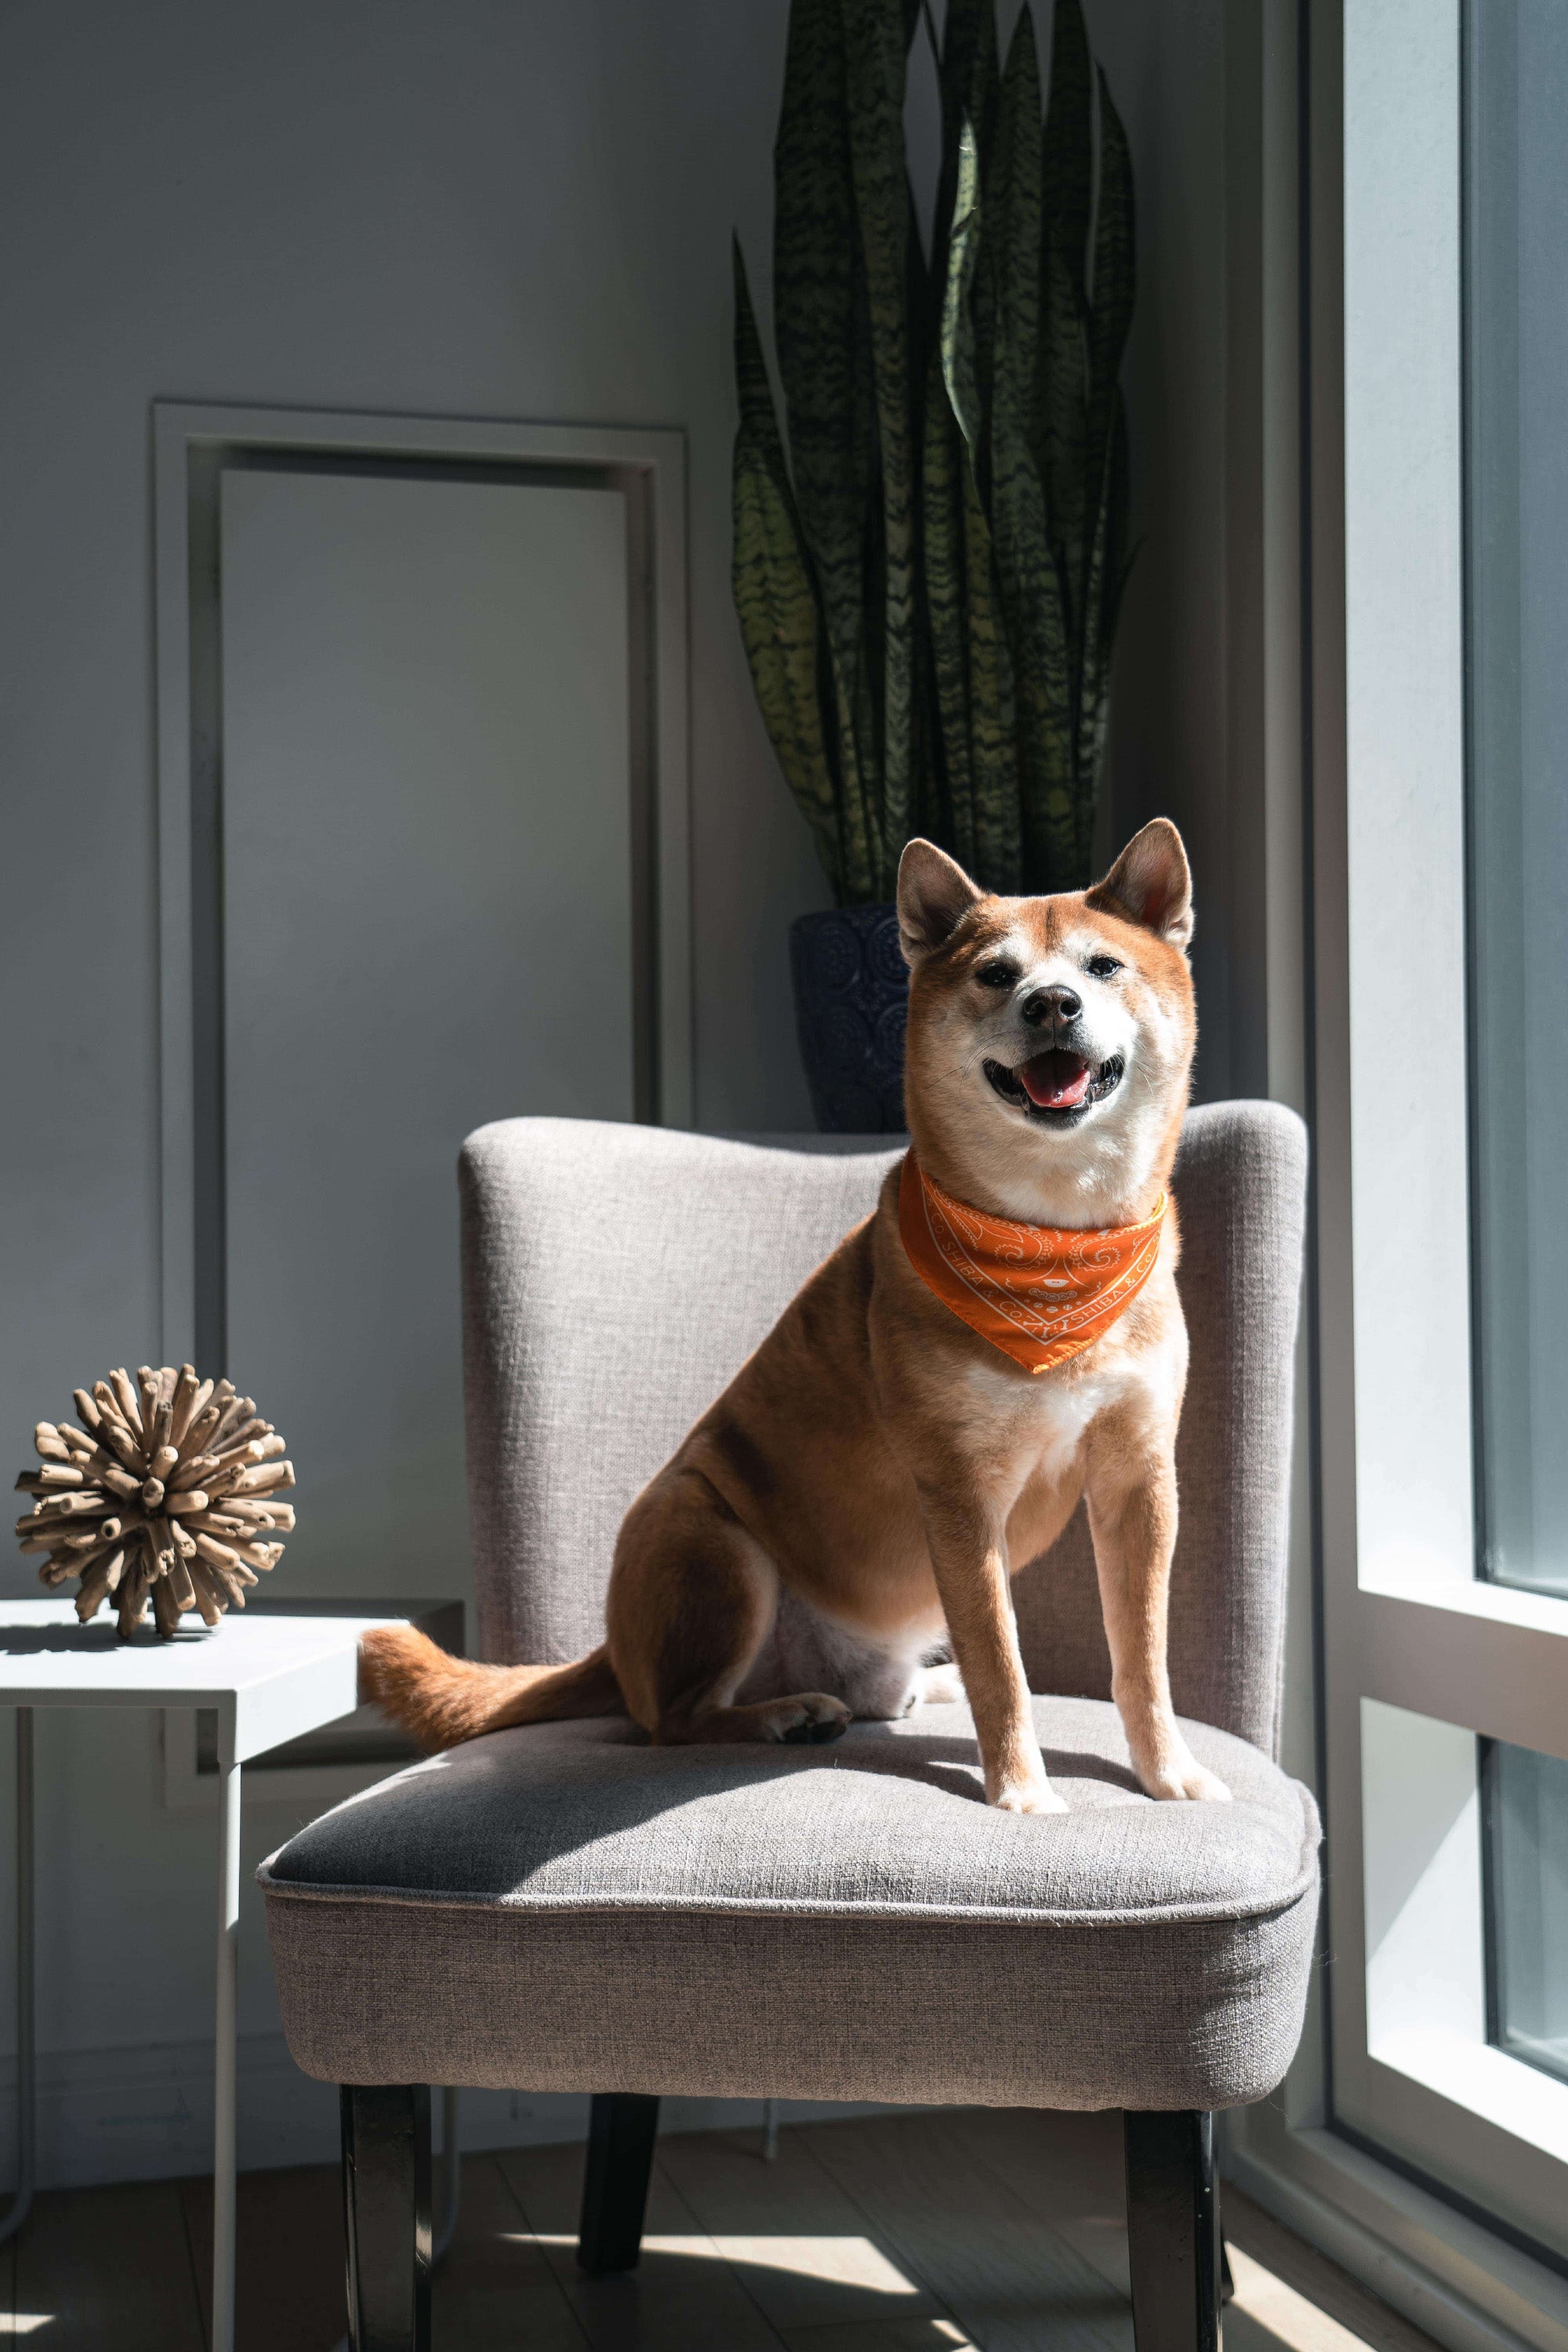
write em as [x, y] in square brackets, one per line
[386, 2216]
[1172, 2232]
[621, 2131]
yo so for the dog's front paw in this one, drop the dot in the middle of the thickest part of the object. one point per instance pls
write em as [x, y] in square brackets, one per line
[1028, 1797]
[1183, 1778]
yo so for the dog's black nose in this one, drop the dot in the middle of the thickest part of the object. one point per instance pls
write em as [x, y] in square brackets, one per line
[1057, 1004]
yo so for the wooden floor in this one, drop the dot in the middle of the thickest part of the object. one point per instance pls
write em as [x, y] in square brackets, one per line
[901, 2233]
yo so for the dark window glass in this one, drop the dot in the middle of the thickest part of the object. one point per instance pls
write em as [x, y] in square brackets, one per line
[1527, 1907]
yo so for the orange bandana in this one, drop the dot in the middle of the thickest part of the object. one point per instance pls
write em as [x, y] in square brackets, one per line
[1039, 1294]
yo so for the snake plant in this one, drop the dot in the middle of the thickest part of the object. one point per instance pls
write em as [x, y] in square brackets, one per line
[927, 583]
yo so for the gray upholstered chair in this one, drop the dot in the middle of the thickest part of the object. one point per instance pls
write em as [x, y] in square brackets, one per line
[564, 1907]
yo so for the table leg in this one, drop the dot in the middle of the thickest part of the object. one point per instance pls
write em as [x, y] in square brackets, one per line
[26, 2064]
[228, 1992]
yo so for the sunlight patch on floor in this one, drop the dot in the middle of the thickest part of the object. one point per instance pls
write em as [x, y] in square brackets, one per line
[855, 2261]
[1279, 2315]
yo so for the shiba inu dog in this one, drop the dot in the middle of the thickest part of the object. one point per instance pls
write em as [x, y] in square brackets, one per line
[916, 1424]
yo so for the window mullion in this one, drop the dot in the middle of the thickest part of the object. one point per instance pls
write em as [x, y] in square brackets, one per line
[1452, 1653]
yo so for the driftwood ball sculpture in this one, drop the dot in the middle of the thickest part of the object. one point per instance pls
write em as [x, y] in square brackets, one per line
[170, 1492]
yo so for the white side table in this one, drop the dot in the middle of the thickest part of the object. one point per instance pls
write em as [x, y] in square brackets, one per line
[269, 1678]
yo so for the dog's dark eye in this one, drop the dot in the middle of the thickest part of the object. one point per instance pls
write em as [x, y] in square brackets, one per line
[996, 976]
[1102, 967]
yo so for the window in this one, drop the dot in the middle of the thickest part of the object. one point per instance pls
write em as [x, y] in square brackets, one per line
[1443, 1096]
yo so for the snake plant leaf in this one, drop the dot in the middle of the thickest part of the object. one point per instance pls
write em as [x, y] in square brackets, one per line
[820, 323]
[1115, 268]
[958, 368]
[941, 516]
[991, 707]
[993, 711]
[1070, 139]
[1013, 203]
[968, 74]
[1107, 580]
[876, 54]
[1092, 703]
[1033, 605]
[775, 596]
[1032, 602]
[1105, 445]
[1062, 382]
[1072, 500]
[1027, 578]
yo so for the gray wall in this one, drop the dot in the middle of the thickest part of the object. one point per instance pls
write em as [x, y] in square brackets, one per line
[465, 209]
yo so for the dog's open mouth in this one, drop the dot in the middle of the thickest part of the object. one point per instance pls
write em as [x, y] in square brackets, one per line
[1056, 1087]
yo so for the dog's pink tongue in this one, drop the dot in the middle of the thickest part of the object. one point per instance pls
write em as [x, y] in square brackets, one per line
[1056, 1081]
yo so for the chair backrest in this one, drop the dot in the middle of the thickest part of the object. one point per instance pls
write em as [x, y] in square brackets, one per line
[615, 1277]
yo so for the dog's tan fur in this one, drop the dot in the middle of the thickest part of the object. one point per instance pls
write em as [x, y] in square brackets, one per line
[858, 1497]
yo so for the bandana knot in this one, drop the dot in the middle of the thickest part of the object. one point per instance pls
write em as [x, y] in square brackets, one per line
[1040, 1293]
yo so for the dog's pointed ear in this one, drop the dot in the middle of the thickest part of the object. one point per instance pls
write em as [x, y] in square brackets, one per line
[1151, 883]
[934, 895]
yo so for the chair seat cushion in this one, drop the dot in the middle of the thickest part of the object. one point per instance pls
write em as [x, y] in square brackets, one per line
[564, 1907]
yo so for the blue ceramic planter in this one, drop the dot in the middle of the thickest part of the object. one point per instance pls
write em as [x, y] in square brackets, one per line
[851, 996]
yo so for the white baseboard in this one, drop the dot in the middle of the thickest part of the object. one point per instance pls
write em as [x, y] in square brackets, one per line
[146, 2114]
[1469, 2289]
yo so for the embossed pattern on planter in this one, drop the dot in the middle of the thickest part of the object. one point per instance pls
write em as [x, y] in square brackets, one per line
[851, 999]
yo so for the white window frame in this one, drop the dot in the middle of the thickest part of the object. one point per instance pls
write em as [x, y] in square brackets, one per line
[1423, 2158]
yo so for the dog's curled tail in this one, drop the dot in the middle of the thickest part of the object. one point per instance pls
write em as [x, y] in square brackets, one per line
[441, 1700]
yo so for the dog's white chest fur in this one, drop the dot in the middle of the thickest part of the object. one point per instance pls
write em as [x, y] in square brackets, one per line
[1045, 1419]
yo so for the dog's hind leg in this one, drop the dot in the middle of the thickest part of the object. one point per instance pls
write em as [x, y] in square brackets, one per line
[939, 1687]
[693, 1600]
